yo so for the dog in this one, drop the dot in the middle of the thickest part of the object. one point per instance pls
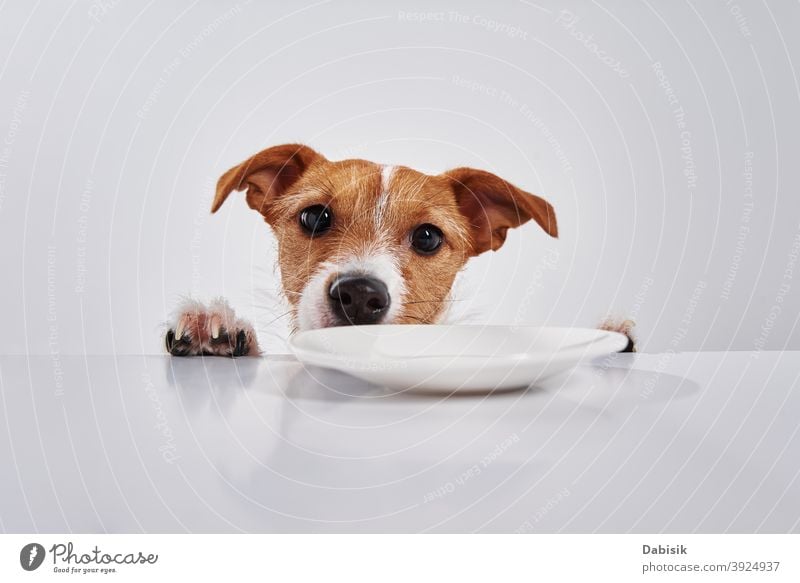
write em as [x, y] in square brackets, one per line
[359, 242]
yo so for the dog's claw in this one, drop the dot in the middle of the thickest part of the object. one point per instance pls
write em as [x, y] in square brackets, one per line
[630, 347]
[177, 346]
[241, 344]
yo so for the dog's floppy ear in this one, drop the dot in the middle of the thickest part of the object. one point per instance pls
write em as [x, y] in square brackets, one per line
[493, 205]
[266, 175]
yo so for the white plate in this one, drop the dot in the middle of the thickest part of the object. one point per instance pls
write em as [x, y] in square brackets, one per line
[452, 358]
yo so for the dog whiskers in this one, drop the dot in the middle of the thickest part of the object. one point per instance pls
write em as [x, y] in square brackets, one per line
[432, 301]
[279, 317]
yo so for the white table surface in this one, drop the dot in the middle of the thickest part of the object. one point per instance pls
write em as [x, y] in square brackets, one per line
[689, 442]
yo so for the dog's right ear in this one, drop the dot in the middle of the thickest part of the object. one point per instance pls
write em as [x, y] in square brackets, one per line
[266, 175]
[493, 206]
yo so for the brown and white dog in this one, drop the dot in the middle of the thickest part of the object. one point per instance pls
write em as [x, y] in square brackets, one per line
[359, 242]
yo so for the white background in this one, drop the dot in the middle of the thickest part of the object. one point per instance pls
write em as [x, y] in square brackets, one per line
[116, 118]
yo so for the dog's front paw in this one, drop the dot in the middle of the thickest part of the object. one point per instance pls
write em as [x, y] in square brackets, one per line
[623, 326]
[212, 330]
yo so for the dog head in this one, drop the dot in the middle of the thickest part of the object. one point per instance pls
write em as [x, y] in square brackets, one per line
[362, 243]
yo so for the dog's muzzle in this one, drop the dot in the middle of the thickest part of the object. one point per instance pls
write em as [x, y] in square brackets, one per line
[358, 299]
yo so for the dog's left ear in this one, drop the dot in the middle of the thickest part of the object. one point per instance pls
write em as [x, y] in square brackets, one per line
[266, 175]
[493, 205]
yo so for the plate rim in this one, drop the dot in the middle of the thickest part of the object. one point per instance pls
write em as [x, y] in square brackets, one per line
[609, 340]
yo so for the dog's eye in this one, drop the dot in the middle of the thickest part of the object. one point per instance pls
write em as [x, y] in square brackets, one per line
[426, 239]
[316, 219]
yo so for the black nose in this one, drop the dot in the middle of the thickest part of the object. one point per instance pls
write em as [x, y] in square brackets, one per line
[359, 300]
